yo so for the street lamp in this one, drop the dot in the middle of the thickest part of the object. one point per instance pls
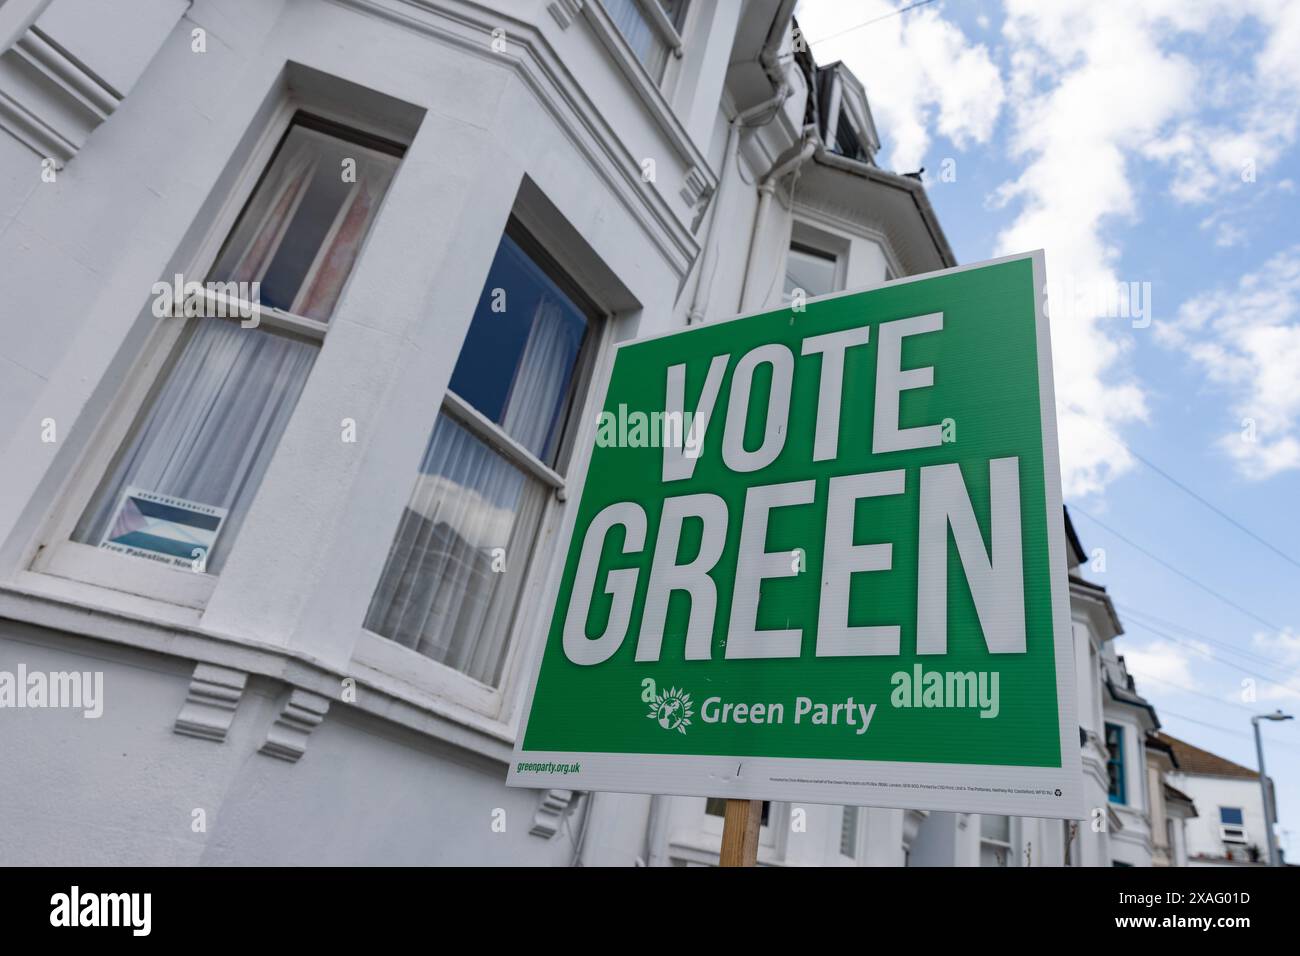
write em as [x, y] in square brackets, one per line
[1263, 783]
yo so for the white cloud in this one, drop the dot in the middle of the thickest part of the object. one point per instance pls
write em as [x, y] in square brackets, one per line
[1168, 666]
[1226, 233]
[1100, 85]
[1212, 158]
[1283, 647]
[1093, 83]
[1164, 662]
[1093, 89]
[1246, 340]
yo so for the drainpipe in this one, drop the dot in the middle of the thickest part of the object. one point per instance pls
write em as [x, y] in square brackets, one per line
[579, 857]
[700, 301]
[788, 162]
[657, 831]
[769, 59]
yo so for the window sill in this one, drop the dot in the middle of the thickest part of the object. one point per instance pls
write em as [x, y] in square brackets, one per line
[57, 590]
[133, 578]
[98, 613]
[429, 684]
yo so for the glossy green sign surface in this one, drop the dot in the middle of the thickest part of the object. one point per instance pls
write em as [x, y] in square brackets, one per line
[969, 676]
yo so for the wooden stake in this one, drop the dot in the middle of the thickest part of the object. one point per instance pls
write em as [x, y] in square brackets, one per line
[740, 823]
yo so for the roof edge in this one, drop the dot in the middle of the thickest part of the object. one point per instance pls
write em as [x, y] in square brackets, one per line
[911, 186]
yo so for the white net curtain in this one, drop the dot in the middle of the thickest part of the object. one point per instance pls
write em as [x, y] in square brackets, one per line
[208, 431]
[452, 579]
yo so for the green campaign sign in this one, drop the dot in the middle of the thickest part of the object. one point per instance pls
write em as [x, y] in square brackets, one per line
[819, 555]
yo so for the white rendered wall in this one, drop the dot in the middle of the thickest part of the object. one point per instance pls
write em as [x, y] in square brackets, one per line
[1211, 793]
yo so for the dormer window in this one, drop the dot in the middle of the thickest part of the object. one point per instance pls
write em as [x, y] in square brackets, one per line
[847, 142]
[847, 125]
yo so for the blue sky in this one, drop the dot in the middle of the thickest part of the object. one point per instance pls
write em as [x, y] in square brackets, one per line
[1159, 146]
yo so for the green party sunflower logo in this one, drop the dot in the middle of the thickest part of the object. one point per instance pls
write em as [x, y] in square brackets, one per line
[672, 709]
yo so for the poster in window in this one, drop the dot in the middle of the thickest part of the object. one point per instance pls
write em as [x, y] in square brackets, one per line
[162, 528]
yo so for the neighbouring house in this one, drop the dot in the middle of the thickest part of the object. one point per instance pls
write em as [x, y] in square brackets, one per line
[1229, 829]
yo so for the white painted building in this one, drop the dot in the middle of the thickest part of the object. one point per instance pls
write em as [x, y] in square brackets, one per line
[1114, 722]
[1229, 829]
[453, 211]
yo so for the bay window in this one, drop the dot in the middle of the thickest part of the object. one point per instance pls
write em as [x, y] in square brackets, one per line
[454, 572]
[182, 481]
[1117, 789]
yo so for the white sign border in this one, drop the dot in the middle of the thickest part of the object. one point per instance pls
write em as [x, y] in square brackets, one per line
[1050, 792]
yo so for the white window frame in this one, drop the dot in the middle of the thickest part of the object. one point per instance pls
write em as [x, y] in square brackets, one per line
[832, 234]
[668, 35]
[529, 615]
[1007, 845]
[1233, 833]
[658, 18]
[822, 241]
[674, 41]
[57, 555]
[807, 249]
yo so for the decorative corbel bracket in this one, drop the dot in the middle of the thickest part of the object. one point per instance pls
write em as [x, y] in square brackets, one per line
[551, 811]
[209, 707]
[300, 714]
